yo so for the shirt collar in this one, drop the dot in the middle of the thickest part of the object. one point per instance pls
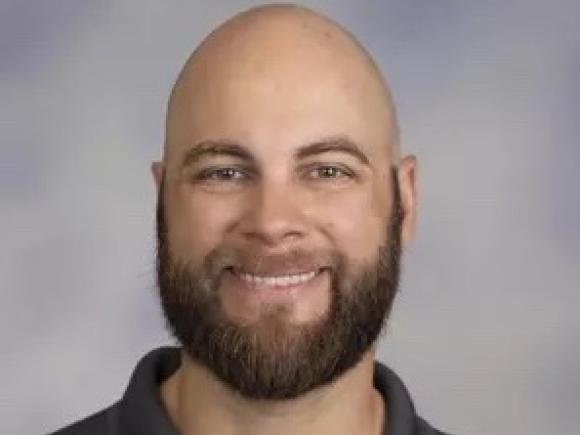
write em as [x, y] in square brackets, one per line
[141, 411]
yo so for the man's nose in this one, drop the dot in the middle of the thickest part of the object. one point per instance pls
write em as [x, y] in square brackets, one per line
[275, 216]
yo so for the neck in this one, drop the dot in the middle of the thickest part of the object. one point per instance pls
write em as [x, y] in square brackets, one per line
[198, 403]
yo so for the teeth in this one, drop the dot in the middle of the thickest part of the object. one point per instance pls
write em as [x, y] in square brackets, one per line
[278, 281]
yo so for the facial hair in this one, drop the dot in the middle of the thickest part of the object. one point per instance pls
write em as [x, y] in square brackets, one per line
[272, 359]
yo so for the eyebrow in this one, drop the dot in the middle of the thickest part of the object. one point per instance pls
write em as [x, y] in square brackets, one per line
[333, 144]
[215, 148]
[227, 148]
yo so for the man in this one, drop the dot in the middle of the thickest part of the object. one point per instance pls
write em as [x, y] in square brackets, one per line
[284, 204]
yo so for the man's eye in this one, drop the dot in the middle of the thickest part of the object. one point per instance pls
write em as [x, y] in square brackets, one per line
[329, 172]
[222, 174]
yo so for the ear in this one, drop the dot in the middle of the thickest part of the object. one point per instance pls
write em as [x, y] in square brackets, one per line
[157, 169]
[407, 176]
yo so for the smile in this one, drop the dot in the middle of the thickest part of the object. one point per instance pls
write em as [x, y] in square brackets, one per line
[278, 281]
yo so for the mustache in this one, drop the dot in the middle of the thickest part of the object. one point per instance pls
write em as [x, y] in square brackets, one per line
[240, 259]
[259, 262]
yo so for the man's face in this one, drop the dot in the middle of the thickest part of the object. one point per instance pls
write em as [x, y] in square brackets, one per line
[279, 227]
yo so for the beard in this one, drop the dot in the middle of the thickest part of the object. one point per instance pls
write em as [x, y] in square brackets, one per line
[271, 358]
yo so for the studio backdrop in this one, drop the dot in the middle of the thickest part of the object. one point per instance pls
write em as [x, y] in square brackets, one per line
[485, 327]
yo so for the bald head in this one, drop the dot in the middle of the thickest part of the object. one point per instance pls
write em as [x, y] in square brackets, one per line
[281, 64]
[281, 160]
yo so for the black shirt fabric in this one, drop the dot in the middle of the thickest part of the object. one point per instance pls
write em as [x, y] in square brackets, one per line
[140, 411]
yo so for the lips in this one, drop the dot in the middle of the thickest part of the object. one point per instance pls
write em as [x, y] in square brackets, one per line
[284, 280]
[247, 296]
[280, 272]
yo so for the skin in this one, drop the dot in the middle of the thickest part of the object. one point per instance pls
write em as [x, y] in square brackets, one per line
[273, 81]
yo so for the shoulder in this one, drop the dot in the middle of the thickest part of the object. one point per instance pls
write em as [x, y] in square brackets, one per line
[424, 428]
[403, 419]
[100, 423]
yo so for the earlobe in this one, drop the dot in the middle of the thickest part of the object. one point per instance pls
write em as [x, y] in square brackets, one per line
[407, 174]
[157, 170]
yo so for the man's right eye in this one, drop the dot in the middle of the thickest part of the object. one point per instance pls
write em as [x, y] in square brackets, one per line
[222, 174]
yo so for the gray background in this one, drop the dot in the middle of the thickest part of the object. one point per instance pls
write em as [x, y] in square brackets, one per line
[485, 331]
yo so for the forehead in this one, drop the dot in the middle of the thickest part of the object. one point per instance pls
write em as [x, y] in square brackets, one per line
[273, 97]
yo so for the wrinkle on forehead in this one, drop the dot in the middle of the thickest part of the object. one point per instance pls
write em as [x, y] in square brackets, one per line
[286, 42]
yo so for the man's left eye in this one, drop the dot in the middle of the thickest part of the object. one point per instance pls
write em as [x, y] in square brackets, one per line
[329, 172]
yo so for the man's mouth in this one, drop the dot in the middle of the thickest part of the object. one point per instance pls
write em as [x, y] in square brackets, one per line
[285, 280]
[277, 278]
[307, 287]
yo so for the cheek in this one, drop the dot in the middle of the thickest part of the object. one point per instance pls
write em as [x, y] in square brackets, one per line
[198, 223]
[356, 224]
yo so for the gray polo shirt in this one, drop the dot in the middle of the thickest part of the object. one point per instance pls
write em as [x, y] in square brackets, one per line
[140, 410]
